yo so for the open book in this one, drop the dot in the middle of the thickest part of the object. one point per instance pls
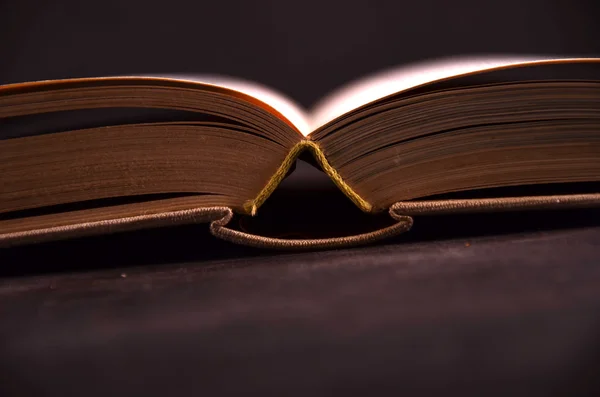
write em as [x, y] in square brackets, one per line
[97, 155]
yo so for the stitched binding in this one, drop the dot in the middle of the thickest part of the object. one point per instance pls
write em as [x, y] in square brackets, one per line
[252, 206]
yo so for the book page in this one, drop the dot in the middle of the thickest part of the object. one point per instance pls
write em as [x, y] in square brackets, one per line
[284, 105]
[381, 85]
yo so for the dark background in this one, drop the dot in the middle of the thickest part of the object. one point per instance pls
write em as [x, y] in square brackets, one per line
[303, 48]
[503, 304]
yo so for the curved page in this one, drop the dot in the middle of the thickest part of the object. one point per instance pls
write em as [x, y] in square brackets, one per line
[257, 94]
[381, 85]
[284, 105]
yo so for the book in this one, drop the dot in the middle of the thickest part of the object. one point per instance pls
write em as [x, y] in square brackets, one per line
[99, 155]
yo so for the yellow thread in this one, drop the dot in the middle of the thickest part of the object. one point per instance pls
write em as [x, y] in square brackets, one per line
[252, 206]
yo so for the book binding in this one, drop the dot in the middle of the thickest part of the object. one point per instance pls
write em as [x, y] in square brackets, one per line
[219, 218]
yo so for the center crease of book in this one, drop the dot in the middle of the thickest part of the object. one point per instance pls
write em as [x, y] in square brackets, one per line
[251, 206]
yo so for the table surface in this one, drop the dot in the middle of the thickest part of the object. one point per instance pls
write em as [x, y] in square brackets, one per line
[515, 313]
